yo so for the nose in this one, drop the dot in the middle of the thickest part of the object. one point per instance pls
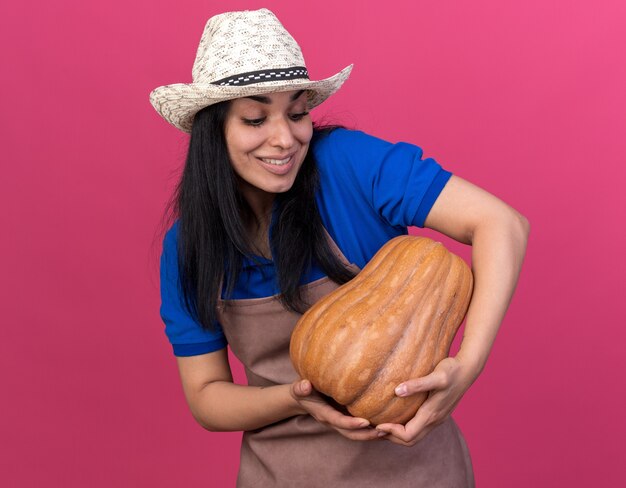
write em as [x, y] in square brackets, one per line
[282, 134]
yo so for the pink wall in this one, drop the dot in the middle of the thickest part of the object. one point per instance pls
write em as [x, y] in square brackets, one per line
[525, 99]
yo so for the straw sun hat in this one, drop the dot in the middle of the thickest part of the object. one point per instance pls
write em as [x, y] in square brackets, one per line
[241, 54]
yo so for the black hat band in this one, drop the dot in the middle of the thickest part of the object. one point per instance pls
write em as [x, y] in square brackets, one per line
[297, 72]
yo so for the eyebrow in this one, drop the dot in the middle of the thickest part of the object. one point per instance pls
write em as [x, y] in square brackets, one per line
[268, 100]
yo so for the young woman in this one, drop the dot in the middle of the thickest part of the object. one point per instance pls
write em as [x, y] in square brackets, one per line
[271, 214]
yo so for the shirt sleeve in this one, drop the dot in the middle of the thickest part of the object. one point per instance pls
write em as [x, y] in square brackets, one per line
[185, 334]
[394, 179]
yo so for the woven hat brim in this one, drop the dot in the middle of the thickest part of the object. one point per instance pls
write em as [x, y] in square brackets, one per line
[178, 103]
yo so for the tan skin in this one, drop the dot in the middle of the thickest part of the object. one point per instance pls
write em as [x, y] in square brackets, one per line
[278, 127]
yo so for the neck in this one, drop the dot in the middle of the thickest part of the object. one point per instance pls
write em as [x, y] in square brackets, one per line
[258, 225]
[261, 205]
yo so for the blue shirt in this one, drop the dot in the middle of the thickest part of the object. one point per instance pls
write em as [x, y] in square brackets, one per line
[370, 191]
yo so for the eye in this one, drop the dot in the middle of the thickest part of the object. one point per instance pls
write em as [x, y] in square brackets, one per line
[299, 116]
[254, 122]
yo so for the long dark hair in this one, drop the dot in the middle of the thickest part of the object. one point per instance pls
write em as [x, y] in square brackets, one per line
[212, 240]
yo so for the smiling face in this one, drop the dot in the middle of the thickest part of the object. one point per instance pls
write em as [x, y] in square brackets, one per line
[268, 137]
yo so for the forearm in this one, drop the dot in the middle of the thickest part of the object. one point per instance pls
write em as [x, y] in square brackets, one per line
[224, 406]
[498, 250]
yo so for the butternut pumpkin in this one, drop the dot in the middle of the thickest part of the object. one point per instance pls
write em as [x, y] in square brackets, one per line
[394, 321]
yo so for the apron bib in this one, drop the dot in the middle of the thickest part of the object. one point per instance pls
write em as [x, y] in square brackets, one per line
[301, 452]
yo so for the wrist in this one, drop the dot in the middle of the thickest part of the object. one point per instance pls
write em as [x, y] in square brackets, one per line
[293, 405]
[472, 364]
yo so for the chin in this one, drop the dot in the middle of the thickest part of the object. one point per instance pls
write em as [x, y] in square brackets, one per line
[281, 188]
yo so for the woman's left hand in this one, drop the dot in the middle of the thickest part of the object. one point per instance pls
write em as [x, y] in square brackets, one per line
[447, 384]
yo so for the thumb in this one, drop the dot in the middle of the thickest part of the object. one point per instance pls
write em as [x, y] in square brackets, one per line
[417, 385]
[302, 388]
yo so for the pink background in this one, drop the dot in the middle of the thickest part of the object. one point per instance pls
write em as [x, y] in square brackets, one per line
[526, 99]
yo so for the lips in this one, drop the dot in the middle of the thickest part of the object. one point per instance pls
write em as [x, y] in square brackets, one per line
[278, 166]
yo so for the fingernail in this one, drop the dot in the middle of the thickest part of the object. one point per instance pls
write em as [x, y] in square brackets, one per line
[401, 390]
[365, 423]
[381, 433]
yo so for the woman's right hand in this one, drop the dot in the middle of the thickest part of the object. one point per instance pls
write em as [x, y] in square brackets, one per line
[311, 402]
